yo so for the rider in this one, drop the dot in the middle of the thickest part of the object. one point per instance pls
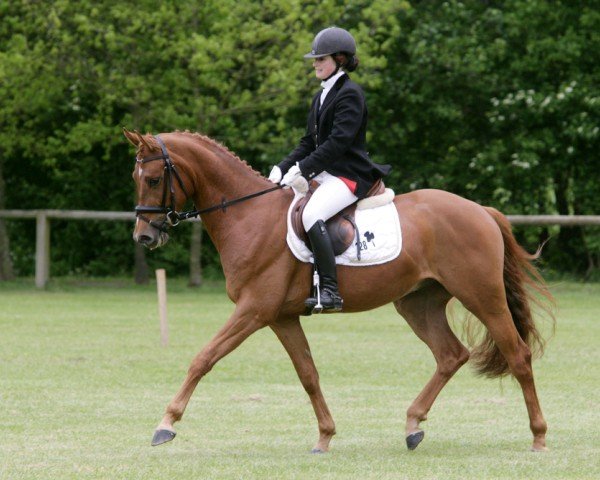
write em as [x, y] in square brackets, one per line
[332, 152]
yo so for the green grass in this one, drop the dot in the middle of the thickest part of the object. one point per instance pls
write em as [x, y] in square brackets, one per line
[83, 383]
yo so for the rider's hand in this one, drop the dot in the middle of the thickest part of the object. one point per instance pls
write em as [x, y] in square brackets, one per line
[275, 175]
[294, 179]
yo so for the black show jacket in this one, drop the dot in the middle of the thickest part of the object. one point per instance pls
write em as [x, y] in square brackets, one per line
[335, 139]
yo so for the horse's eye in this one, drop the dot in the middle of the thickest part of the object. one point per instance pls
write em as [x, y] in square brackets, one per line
[153, 182]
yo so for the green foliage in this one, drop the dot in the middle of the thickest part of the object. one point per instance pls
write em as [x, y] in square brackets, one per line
[496, 101]
[499, 102]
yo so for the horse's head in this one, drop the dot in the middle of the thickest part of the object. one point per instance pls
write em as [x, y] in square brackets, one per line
[160, 190]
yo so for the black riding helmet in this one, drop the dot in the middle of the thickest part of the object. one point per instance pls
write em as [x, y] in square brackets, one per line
[332, 40]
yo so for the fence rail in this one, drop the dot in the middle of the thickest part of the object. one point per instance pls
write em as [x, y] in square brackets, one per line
[42, 232]
[563, 220]
[42, 217]
[68, 214]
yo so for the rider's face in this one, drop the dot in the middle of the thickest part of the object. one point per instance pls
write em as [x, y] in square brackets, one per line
[324, 67]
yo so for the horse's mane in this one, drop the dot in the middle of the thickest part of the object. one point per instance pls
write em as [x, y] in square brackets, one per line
[218, 148]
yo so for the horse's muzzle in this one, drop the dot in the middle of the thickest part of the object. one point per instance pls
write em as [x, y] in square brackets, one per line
[151, 241]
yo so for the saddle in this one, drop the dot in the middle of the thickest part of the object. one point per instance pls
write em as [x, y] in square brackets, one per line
[341, 227]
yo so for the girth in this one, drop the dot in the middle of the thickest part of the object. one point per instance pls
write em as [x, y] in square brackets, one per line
[341, 227]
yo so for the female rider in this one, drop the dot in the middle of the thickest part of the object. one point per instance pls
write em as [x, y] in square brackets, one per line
[332, 152]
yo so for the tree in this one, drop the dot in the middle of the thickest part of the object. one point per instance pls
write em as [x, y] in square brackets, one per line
[496, 101]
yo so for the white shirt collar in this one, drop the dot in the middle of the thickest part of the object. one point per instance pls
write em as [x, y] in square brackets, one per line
[327, 84]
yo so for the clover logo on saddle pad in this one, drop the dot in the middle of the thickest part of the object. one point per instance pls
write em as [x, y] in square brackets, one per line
[362, 244]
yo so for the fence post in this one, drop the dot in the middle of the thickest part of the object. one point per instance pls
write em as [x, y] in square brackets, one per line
[161, 285]
[42, 250]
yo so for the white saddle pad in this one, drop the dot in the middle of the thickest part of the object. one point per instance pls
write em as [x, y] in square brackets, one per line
[380, 237]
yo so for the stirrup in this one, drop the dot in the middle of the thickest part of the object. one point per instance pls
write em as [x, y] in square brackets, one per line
[315, 305]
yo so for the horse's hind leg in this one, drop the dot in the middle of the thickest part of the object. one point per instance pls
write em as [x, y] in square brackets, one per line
[290, 333]
[499, 322]
[425, 312]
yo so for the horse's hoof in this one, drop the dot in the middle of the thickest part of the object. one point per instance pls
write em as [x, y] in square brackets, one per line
[162, 436]
[317, 451]
[413, 440]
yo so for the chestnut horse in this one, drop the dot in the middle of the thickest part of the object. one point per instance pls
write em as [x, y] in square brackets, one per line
[452, 247]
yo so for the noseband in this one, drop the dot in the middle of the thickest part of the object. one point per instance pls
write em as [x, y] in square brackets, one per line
[173, 217]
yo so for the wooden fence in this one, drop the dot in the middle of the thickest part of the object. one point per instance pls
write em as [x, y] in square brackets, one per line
[42, 218]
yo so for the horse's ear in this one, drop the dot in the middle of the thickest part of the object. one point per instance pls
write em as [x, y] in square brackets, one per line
[131, 137]
[142, 140]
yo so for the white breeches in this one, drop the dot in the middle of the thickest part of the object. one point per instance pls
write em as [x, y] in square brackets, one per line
[331, 197]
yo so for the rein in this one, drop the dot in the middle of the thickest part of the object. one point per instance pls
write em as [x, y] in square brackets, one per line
[225, 203]
[173, 217]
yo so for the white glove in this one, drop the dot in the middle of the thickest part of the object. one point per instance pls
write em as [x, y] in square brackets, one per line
[294, 179]
[275, 175]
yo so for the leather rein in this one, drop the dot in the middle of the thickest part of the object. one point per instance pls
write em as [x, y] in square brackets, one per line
[172, 216]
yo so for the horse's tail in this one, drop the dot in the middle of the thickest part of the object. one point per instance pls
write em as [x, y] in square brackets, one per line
[523, 285]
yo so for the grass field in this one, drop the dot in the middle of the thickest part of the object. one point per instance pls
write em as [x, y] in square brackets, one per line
[83, 383]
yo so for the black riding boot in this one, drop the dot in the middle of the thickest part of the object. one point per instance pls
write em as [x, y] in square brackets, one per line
[325, 262]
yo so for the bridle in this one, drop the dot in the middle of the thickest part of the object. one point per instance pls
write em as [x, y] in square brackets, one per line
[172, 216]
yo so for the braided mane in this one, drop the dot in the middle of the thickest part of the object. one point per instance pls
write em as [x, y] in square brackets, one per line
[220, 149]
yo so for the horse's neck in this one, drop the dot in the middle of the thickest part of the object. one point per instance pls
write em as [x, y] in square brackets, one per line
[223, 177]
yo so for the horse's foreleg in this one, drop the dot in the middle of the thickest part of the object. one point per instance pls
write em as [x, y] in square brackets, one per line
[425, 312]
[239, 327]
[290, 333]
